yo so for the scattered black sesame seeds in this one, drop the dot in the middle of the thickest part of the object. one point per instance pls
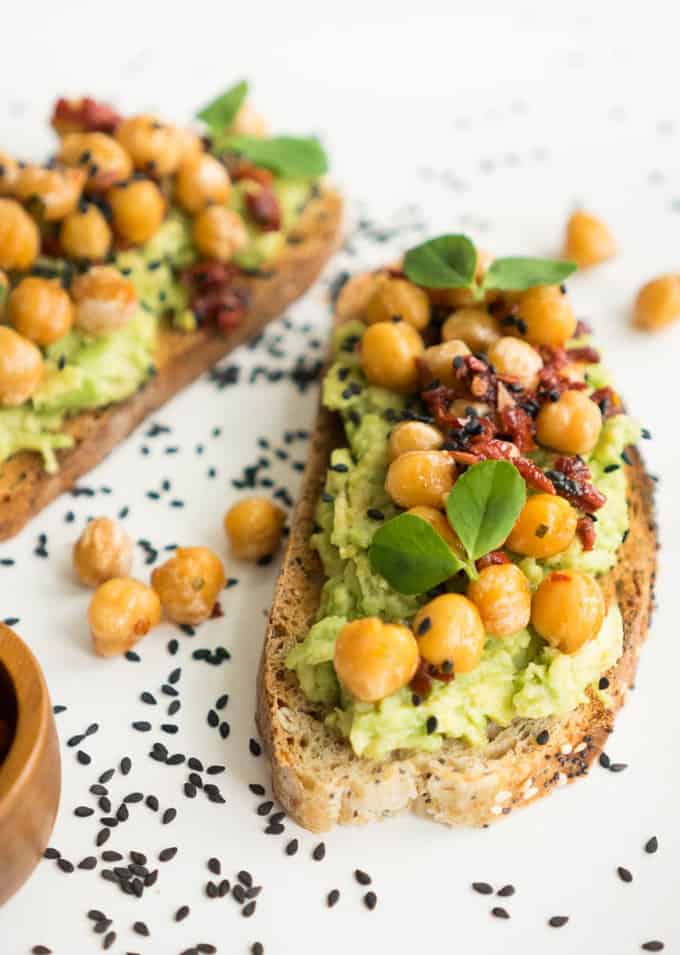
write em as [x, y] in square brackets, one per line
[557, 921]
[370, 900]
[652, 845]
[332, 898]
[624, 874]
[499, 912]
[653, 946]
[483, 888]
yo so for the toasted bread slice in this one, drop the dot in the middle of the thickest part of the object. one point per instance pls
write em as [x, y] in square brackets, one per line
[25, 486]
[316, 776]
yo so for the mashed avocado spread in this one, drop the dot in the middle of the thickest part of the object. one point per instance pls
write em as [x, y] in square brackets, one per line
[519, 675]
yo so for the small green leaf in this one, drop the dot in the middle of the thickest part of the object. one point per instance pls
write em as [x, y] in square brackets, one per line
[411, 555]
[284, 155]
[221, 112]
[484, 504]
[514, 274]
[449, 261]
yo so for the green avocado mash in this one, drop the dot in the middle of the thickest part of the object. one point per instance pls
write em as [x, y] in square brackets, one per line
[518, 676]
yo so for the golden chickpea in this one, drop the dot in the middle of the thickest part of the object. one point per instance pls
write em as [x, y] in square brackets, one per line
[219, 233]
[21, 368]
[516, 359]
[104, 300]
[40, 310]
[122, 611]
[189, 583]
[658, 303]
[439, 523]
[138, 208]
[85, 234]
[389, 353]
[420, 478]
[249, 122]
[450, 633]
[414, 436]
[474, 326]
[571, 424]
[155, 147]
[355, 295]
[568, 609]
[545, 527]
[395, 299]
[201, 181]
[102, 551]
[19, 236]
[254, 527]
[191, 144]
[9, 174]
[547, 314]
[588, 241]
[374, 659]
[104, 160]
[502, 596]
[438, 361]
[57, 191]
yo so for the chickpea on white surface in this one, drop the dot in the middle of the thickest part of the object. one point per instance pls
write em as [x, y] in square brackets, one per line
[121, 612]
[103, 551]
[189, 583]
[254, 527]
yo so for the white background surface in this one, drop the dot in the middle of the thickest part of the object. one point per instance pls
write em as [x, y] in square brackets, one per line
[493, 120]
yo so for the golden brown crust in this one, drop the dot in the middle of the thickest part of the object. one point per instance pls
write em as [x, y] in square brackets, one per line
[25, 487]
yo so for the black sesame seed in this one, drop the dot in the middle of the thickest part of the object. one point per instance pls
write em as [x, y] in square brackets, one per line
[257, 948]
[89, 862]
[223, 888]
[292, 847]
[245, 878]
[125, 765]
[604, 761]
[149, 698]
[211, 890]
[248, 909]
[189, 790]
[431, 724]
[182, 913]
[82, 812]
[109, 855]
[363, 878]
[134, 797]
[168, 816]
[319, 852]
[142, 726]
[603, 683]
[65, 865]
[499, 912]
[617, 767]
[557, 921]
[543, 737]
[255, 748]
[332, 898]
[166, 854]
[370, 900]
[102, 836]
[152, 803]
[225, 729]
[652, 946]
[506, 891]
[624, 874]
[652, 845]
[141, 928]
[274, 829]
[483, 888]
[51, 853]
[256, 789]
[213, 718]
[96, 916]
[424, 625]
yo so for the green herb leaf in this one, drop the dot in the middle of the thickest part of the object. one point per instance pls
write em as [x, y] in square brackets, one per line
[514, 274]
[221, 112]
[283, 155]
[449, 261]
[484, 504]
[411, 555]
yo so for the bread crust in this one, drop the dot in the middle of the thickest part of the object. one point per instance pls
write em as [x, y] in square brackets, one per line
[316, 776]
[25, 486]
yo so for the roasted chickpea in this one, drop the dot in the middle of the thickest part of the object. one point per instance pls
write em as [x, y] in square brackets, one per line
[85, 233]
[474, 326]
[102, 551]
[189, 583]
[420, 478]
[249, 122]
[138, 208]
[191, 144]
[658, 303]
[588, 241]
[254, 527]
[389, 353]
[104, 160]
[19, 236]
[9, 174]
[374, 659]
[547, 314]
[40, 310]
[571, 424]
[397, 299]
[219, 233]
[355, 295]
[122, 611]
[438, 361]
[516, 359]
[104, 299]
[56, 191]
[439, 523]
[201, 181]
[155, 147]
[450, 633]
[502, 596]
[414, 436]
[568, 609]
[21, 368]
[545, 527]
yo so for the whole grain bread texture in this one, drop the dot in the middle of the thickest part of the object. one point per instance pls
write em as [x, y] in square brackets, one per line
[25, 486]
[316, 776]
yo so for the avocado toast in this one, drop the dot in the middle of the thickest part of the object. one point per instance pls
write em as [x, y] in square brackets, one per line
[467, 735]
[150, 253]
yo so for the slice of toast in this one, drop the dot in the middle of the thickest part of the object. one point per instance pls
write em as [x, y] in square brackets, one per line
[25, 486]
[316, 776]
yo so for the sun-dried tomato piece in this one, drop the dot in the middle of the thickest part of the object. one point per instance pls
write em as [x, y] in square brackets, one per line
[233, 309]
[519, 426]
[85, 115]
[242, 169]
[213, 295]
[264, 208]
[586, 497]
[573, 466]
[209, 273]
[496, 450]
[586, 354]
[585, 528]
[608, 402]
[493, 557]
[534, 476]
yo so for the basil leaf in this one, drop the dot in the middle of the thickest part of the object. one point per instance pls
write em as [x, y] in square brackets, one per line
[283, 155]
[484, 504]
[514, 274]
[449, 261]
[411, 555]
[221, 112]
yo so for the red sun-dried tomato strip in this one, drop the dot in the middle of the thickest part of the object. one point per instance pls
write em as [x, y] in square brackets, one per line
[242, 169]
[573, 466]
[85, 115]
[608, 402]
[585, 528]
[493, 557]
[519, 426]
[264, 208]
[495, 450]
[583, 495]
[586, 354]
[213, 295]
[209, 273]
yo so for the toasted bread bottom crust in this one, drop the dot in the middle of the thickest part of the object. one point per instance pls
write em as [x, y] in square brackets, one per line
[25, 487]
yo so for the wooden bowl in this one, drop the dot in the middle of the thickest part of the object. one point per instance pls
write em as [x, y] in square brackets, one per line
[30, 774]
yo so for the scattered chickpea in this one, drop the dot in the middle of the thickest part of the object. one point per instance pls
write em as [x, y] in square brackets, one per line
[85, 234]
[658, 303]
[474, 326]
[502, 596]
[155, 147]
[9, 174]
[397, 299]
[138, 208]
[374, 659]
[414, 436]
[254, 527]
[40, 310]
[57, 191]
[219, 233]
[588, 240]
[571, 424]
[104, 160]
[189, 583]
[102, 551]
[547, 314]
[201, 181]
[516, 359]
[355, 295]
[389, 353]
[449, 631]
[21, 368]
[104, 300]
[122, 611]
[420, 478]
[568, 609]
[249, 122]
[545, 527]
[438, 362]
[19, 237]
